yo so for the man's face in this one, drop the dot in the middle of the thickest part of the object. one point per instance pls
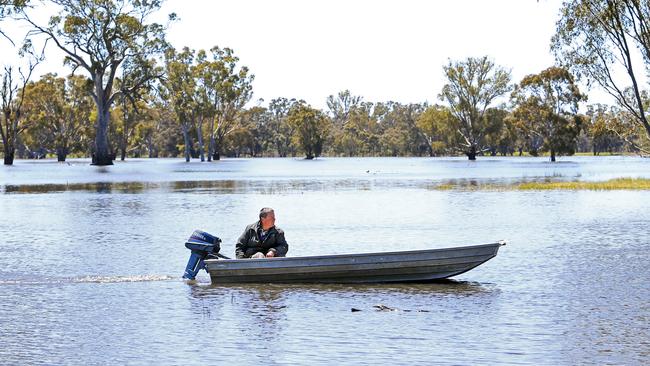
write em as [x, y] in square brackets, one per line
[269, 220]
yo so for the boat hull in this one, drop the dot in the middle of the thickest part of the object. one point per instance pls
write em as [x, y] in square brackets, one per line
[406, 266]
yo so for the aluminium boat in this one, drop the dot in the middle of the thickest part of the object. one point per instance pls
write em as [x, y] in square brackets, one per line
[401, 266]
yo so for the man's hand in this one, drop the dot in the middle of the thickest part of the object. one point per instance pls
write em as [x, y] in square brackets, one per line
[270, 254]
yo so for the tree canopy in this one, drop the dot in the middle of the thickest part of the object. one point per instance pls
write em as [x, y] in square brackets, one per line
[99, 36]
[597, 39]
[472, 86]
[546, 111]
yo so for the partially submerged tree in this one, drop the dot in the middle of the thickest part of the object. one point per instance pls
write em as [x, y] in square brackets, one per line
[472, 86]
[12, 94]
[60, 110]
[280, 128]
[400, 133]
[602, 40]
[132, 102]
[179, 88]
[599, 129]
[434, 124]
[311, 128]
[228, 88]
[547, 109]
[98, 36]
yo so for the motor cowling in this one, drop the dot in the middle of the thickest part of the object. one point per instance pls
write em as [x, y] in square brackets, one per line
[202, 245]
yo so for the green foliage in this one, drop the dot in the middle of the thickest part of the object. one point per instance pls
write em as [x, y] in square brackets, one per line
[546, 111]
[472, 86]
[7, 9]
[601, 130]
[57, 112]
[179, 91]
[280, 128]
[599, 39]
[101, 37]
[203, 89]
[311, 128]
[225, 89]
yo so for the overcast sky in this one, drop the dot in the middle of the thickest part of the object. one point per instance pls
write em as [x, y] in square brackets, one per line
[382, 50]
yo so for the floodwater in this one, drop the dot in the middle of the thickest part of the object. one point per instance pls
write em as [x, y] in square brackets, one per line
[91, 259]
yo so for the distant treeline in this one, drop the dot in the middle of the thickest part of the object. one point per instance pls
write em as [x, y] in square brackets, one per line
[133, 95]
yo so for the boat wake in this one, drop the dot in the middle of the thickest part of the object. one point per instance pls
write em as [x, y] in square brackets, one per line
[90, 279]
[118, 279]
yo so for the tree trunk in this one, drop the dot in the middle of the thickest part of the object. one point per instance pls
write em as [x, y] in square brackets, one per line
[309, 154]
[471, 154]
[210, 148]
[199, 133]
[9, 155]
[186, 138]
[124, 141]
[102, 155]
[150, 148]
[215, 154]
[61, 154]
[552, 155]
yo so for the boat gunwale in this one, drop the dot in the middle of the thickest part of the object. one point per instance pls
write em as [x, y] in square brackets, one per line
[356, 255]
[415, 263]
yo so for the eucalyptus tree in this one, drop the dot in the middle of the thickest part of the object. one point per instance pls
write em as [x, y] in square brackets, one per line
[434, 124]
[602, 137]
[57, 111]
[281, 130]
[204, 109]
[401, 136]
[228, 88]
[547, 108]
[346, 113]
[132, 103]
[472, 87]
[340, 106]
[128, 118]
[158, 134]
[98, 36]
[359, 135]
[12, 93]
[311, 129]
[179, 89]
[7, 9]
[602, 41]
[257, 120]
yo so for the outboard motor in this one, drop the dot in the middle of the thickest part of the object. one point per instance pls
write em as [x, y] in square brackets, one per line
[202, 245]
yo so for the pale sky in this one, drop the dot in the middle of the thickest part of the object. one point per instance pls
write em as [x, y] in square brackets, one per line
[382, 50]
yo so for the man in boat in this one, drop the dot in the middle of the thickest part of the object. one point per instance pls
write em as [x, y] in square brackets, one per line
[262, 239]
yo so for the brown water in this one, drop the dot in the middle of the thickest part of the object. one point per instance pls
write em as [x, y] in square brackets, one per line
[91, 258]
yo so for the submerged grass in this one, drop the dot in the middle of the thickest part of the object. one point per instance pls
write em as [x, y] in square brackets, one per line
[612, 184]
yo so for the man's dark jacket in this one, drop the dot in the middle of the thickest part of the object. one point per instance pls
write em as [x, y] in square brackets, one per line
[250, 242]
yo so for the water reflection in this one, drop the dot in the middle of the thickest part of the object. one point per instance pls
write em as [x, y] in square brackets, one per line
[98, 187]
[294, 186]
[271, 295]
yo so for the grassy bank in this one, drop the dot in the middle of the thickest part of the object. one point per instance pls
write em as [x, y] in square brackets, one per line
[612, 184]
